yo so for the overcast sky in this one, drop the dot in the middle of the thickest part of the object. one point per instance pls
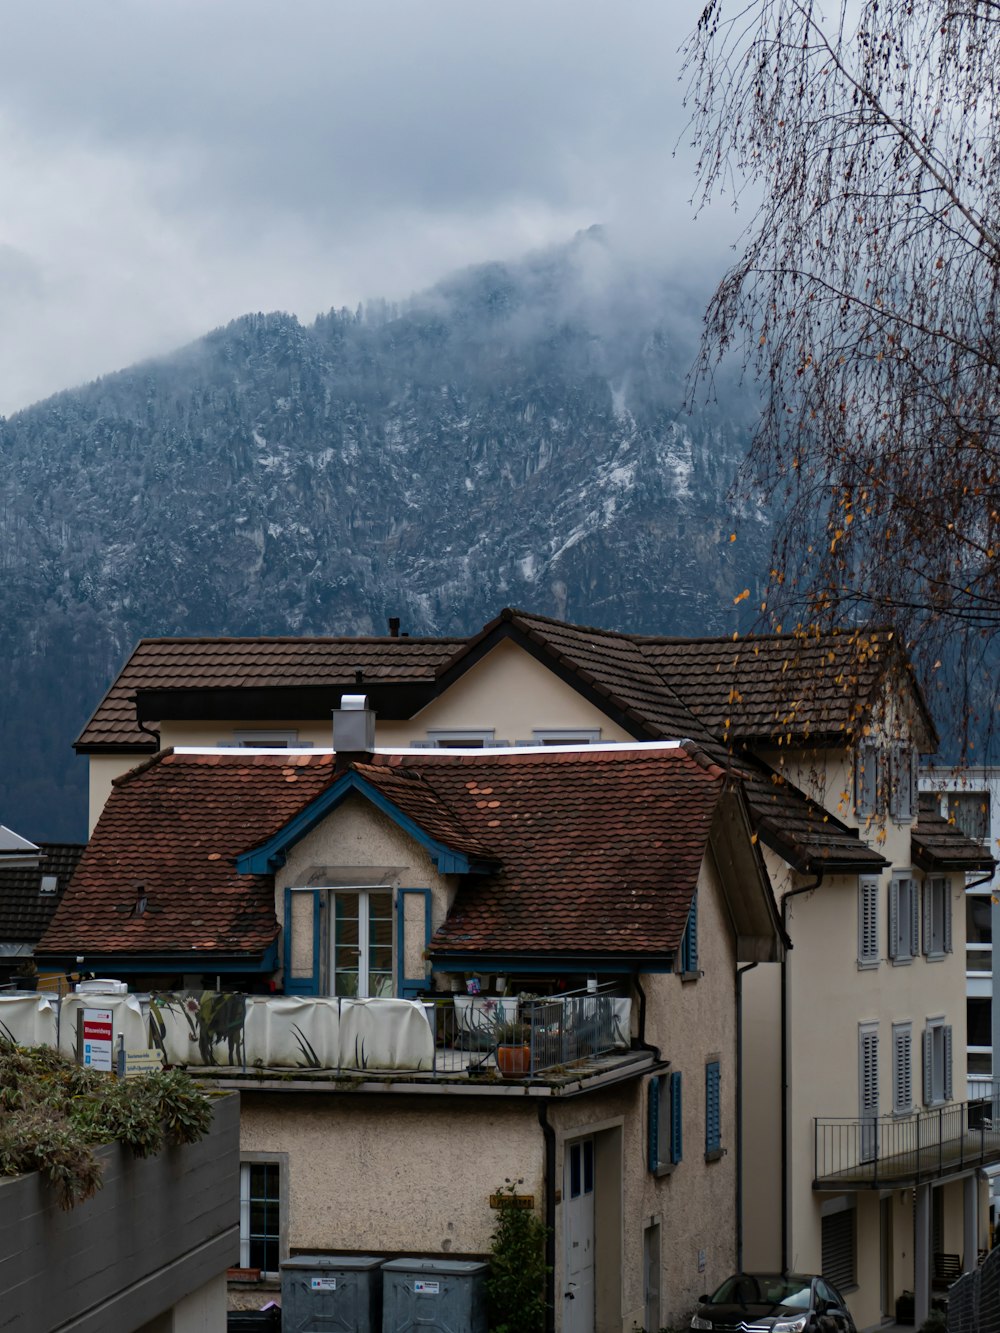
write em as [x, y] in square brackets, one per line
[166, 165]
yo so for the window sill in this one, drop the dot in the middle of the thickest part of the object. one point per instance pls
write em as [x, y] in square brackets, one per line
[689, 976]
[902, 962]
[935, 957]
[869, 964]
[716, 1155]
[664, 1169]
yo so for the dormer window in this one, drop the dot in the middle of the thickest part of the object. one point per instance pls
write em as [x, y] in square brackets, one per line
[49, 884]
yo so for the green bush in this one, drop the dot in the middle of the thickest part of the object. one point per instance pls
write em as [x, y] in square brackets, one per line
[53, 1113]
[516, 1285]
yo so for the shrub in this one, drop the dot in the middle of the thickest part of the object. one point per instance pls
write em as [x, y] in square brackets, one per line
[516, 1285]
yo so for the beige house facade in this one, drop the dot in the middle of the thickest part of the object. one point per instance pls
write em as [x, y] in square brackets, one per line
[851, 1049]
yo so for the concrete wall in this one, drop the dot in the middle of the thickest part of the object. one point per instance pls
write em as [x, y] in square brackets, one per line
[160, 1232]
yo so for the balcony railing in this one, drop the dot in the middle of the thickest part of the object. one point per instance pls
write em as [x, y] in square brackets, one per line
[907, 1150]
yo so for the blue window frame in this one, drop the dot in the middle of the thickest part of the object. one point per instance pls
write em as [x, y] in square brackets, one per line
[689, 940]
[665, 1123]
[713, 1109]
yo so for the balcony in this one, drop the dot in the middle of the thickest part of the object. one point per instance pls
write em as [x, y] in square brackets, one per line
[909, 1150]
[457, 1039]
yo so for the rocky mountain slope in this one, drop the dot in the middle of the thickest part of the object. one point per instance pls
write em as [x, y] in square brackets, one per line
[514, 436]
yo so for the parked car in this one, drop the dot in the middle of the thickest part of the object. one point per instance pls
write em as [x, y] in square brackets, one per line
[796, 1303]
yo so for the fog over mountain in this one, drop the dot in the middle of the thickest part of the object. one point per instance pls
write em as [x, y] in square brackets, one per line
[516, 435]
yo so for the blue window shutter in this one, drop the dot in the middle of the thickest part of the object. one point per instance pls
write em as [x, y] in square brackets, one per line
[713, 1120]
[676, 1119]
[653, 1122]
[308, 984]
[689, 942]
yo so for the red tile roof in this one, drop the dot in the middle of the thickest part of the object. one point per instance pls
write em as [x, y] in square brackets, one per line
[940, 845]
[600, 851]
[25, 910]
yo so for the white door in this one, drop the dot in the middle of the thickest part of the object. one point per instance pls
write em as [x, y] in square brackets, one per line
[578, 1205]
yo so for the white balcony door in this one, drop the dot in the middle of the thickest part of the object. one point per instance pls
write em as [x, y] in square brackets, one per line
[360, 941]
[578, 1203]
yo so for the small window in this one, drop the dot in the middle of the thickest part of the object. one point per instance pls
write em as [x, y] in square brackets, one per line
[937, 1062]
[713, 1110]
[970, 811]
[868, 942]
[266, 740]
[904, 919]
[49, 884]
[979, 1021]
[689, 942]
[260, 1216]
[937, 916]
[564, 736]
[462, 740]
[902, 1068]
[665, 1123]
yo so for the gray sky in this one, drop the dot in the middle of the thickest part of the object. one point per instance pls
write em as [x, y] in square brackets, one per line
[166, 165]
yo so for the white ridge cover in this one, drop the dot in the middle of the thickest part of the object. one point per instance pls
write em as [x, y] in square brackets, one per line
[28, 1020]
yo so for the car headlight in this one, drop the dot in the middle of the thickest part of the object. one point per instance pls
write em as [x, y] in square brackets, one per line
[698, 1322]
[795, 1325]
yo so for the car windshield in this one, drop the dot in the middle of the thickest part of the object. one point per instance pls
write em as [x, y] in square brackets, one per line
[763, 1289]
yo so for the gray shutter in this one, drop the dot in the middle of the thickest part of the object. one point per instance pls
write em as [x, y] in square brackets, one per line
[902, 1071]
[948, 1090]
[914, 782]
[868, 919]
[895, 794]
[928, 1067]
[914, 919]
[894, 918]
[928, 897]
[946, 890]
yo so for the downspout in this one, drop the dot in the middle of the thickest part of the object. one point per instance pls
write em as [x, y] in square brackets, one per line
[792, 893]
[549, 1137]
[739, 1113]
[641, 1041]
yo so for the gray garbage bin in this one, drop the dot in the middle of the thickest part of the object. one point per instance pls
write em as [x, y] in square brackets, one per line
[434, 1295]
[325, 1293]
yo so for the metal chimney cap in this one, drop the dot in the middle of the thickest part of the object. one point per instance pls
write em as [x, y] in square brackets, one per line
[353, 703]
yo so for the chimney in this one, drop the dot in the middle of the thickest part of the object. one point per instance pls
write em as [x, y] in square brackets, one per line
[353, 730]
[394, 627]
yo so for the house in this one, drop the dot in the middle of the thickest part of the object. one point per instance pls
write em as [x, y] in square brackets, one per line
[617, 886]
[32, 881]
[850, 1046]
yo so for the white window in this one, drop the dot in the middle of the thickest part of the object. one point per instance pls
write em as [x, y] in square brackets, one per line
[867, 775]
[902, 1068]
[937, 1062]
[273, 739]
[261, 1221]
[904, 918]
[903, 774]
[937, 916]
[868, 944]
[361, 943]
[470, 739]
[563, 736]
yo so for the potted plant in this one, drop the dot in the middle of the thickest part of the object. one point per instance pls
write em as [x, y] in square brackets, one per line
[513, 1043]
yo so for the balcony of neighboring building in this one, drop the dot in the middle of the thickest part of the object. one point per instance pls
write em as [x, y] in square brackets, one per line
[901, 1151]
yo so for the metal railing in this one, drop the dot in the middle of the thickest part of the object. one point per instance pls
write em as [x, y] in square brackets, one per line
[907, 1149]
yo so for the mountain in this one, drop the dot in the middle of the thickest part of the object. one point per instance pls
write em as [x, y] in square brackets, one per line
[516, 436]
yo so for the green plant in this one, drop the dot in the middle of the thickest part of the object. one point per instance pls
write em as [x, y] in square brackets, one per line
[511, 1032]
[516, 1285]
[936, 1322]
[53, 1113]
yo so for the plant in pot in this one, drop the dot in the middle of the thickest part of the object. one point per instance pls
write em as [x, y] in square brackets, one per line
[513, 1043]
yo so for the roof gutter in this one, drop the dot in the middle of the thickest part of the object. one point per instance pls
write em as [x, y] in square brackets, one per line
[792, 893]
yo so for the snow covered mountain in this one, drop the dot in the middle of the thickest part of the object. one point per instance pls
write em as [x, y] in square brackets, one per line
[516, 436]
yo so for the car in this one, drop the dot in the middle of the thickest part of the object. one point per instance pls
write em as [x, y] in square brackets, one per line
[774, 1303]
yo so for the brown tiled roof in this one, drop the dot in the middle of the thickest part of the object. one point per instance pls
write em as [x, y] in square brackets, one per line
[175, 825]
[600, 850]
[25, 910]
[795, 687]
[189, 664]
[937, 844]
[569, 881]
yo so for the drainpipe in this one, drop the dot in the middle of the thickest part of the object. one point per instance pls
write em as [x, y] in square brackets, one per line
[739, 1113]
[792, 893]
[641, 1041]
[549, 1137]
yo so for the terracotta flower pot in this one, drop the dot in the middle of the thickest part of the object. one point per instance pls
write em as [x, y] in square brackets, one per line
[514, 1060]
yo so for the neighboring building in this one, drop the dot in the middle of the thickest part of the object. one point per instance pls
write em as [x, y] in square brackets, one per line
[850, 1047]
[32, 881]
[621, 886]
